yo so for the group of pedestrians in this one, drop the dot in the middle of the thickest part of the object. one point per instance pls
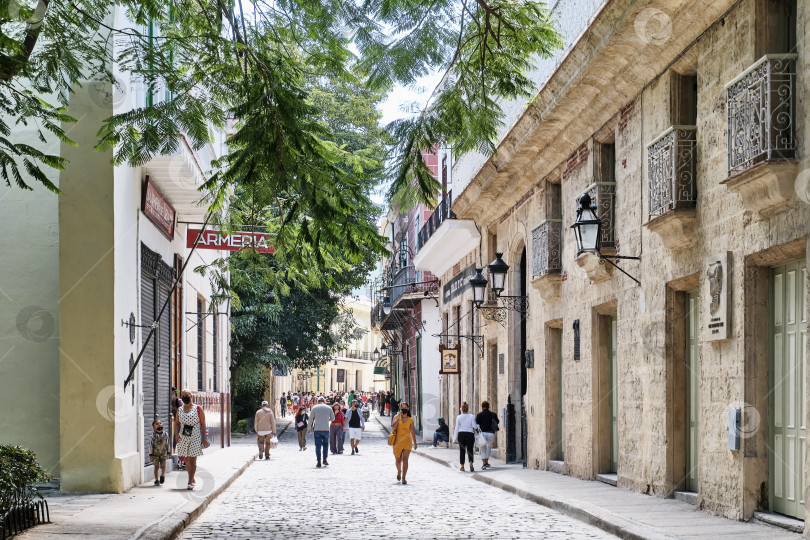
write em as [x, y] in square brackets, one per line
[189, 438]
[292, 401]
[328, 423]
[486, 422]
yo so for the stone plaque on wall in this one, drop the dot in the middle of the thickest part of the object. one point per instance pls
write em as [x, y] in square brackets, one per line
[717, 303]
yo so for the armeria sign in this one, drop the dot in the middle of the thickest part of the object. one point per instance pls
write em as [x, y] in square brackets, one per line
[230, 242]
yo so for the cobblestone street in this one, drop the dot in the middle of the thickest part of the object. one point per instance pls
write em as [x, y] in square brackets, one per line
[359, 497]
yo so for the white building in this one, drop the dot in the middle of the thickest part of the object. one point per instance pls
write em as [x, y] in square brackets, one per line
[84, 276]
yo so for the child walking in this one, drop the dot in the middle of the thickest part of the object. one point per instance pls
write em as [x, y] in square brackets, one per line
[159, 451]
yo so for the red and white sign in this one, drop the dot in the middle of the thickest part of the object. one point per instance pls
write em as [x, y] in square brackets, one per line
[230, 242]
[158, 209]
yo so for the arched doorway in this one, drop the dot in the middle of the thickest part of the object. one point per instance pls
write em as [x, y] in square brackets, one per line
[517, 440]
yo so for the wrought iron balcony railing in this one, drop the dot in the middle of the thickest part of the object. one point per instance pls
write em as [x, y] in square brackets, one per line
[671, 170]
[410, 280]
[547, 248]
[355, 354]
[441, 213]
[762, 113]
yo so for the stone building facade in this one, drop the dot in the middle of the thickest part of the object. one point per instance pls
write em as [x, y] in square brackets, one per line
[686, 123]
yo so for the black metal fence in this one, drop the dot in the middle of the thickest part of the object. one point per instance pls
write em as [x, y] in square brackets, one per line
[441, 213]
[23, 513]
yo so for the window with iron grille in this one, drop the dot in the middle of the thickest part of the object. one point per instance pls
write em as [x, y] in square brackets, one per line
[403, 252]
[200, 342]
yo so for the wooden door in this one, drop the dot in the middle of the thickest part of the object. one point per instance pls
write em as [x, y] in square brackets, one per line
[787, 404]
[692, 375]
[614, 400]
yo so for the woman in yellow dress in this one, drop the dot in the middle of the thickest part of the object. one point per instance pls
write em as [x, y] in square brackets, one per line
[403, 425]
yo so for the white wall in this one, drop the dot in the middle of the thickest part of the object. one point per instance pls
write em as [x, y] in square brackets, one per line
[572, 18]
[430, 369]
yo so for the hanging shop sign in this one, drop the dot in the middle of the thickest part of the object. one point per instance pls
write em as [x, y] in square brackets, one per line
[718, 302]
[230, 242]
[341, 375]
[159, 211]
[451, 360]
[459, 284]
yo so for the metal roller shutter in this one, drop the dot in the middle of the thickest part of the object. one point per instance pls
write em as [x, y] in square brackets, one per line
[156, 281]
[148, 359]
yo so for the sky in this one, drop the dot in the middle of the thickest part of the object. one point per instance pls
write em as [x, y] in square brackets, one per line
[404, 102]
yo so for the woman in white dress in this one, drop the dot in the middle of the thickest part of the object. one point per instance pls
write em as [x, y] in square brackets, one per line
[189, 426]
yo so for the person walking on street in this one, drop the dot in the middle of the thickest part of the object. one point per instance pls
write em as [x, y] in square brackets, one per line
[402, 424]
[319, 419]
[354, 421]
[189, 430]
[283, 403]
[488, 423]
[465, 434]
[295, 399]
[265, 425]
[336, 431]
[301, 419]
[394, 402]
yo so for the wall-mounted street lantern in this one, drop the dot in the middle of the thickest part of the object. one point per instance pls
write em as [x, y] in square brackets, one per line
[498, 270]
[588, 234]
[386, 307]
[479, 287]
[376, 354]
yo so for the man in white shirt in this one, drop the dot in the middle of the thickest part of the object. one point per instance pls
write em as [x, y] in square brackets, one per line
[265, 425]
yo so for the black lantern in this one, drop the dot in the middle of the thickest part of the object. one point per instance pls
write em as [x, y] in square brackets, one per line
[387, 305]
[479, 287]
[587, 227]
[384, 350]
[498, 269]
[376, 354]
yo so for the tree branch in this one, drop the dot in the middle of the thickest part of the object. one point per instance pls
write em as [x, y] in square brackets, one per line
[11, 66]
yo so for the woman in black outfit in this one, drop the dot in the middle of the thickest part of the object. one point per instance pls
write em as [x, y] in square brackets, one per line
[301, 421]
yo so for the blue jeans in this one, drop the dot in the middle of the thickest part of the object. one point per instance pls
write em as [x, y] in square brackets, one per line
[439, 437]
[321, 441]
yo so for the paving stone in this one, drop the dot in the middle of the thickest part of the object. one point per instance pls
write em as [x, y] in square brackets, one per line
[359, 497]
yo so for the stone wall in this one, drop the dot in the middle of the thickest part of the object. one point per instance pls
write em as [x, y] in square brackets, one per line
[509, 198]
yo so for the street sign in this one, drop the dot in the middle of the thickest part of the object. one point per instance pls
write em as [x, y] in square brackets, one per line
[230, 242]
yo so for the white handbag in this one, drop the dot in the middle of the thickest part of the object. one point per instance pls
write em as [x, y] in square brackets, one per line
[480, 440]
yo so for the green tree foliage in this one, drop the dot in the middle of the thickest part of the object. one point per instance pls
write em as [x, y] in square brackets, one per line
[248, 59]
[284, 317]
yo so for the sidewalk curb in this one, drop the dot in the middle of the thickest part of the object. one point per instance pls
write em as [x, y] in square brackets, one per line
[611, 524]
[172, 526]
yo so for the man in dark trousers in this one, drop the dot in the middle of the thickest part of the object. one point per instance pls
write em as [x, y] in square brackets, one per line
[394, 406]
[283, 403]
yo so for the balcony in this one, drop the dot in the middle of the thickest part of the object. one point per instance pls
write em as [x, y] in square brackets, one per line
[180, 175]
[672, 186]
[408, 287]
[440, 213]
[761, 104]
[547, 258]
[444, 240]
[354, 354]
